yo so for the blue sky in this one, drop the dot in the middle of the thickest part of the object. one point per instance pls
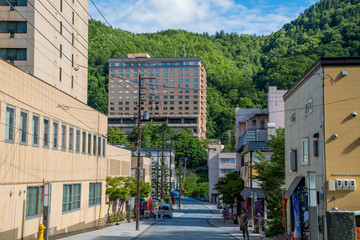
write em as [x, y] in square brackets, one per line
[240, 16]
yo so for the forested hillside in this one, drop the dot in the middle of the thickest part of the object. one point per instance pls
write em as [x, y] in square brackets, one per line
[240, 67]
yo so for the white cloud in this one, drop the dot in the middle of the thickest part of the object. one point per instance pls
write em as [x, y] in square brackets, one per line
[193, 15]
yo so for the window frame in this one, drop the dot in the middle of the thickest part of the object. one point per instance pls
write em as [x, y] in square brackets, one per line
[303, 154]
[35, 134]
[310, 107]
[71, 138]
[23, 133]
[30, 199]
[77, 140]
[55, 135]
[293, 167]
[63, 137]
[10, 124]
[292, 117]
[46, 144]
[94, 197]
[71, 198]
[83, 143]
[89, 145]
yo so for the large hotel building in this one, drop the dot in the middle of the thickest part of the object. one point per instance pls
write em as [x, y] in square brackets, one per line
[173, 91]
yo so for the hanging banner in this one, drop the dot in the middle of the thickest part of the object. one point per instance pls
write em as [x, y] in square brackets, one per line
[303, 204]
[121, 201]
[284, 209]
[150, 204]
[258, 208]
[296, 209]
[243, 206]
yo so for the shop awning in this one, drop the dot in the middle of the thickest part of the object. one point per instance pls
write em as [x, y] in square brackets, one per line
[246, 192]
[293, 186]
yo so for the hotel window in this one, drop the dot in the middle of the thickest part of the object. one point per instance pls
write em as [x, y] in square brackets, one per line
[83, 142]
[308, 107]
[13, 27]
[186, 69]
[63, 137]
[23, 126]
[71, 197]
[89, 143]
[10, 124]
[33, 201]
[305, 151]
[187, 74]
[94, 145]
[195, 91]
[187, 80]
[179, 108]
[35, 128]
[165, 75]
[13, 2]
[195, 68]
[71, 139]
[187, 85]
[13, 53]
[293, 160]
[195, 74]
[195, 97]
[180, 74]
[195, 79]
[77, 141]
[292, 117]
[46, 132]
[55, 134]
[195, 85]
[95, 194]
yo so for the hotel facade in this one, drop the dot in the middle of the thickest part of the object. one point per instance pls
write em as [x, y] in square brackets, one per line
[173, 91]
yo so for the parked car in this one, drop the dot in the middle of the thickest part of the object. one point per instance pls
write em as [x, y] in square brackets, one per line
[357, 220]
[165, 211]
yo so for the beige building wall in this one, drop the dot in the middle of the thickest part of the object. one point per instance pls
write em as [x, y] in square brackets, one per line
[342, 97]
[146, 164]
[25, 165]
[56, 42]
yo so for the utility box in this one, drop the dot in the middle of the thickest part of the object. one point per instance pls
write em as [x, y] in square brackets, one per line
[345, 184]
[352, 184]
[339, 184]
[331, 185]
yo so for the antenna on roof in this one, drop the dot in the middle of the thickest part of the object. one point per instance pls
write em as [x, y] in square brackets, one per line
[184, 50]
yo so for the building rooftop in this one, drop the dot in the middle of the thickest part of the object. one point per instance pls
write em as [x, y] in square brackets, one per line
[156, 59]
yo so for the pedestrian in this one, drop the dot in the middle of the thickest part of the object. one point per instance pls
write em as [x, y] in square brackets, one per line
[224, 215]
[154, 214]
[261, 226]
[244, 224]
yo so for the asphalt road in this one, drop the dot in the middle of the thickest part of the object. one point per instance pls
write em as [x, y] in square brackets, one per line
[193, 225]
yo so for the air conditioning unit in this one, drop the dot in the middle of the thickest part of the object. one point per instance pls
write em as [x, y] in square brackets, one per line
[352, 184]
[345, 184]
[339, 184]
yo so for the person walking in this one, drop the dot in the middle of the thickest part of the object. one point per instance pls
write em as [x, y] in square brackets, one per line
[261, 226]
[154, 214]
[244, 224]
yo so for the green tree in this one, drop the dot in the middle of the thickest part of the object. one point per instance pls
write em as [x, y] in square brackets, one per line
[271, 174]
[230, 187]
[190, 184]
[117, 136]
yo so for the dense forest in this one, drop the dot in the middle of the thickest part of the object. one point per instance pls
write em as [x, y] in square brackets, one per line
[240, 67]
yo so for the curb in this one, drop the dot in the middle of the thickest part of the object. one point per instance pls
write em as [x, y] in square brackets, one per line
[141, 233]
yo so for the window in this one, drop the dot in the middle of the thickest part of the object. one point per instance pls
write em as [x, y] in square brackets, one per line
[293, 160]
[312, 189]
[292, 117]
[305, 151]
[104, 147]
[63, 137]
[227, 160]
[33, 201]
[308, 107]
[13, 27]
[72, 81]
[61, 5]
[71, 139]
[99, 146]
[226, 171]
[60, 28]
[89, 143]
[13, 53]
[253, 123]
[95, 194]
[23, 126]
[13, 2]
[60, 74]
[77, 143]
[55, 134]
[46, 132]
[72, 60]
[316, 148]
[94, 147]
[83, 142]
[71, 197]
[72, 18]
[262, 124]
[35, 132]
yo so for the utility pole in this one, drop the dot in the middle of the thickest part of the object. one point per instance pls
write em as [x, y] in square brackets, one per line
[162, 167]
[137, 206]
[179, 185]
[138, 159]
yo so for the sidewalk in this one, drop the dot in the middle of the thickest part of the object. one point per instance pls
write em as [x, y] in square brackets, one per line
[123, 231]
[228, 226]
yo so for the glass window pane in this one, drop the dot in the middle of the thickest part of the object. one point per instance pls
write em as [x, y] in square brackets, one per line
[10, 124]
[23, 127]
[22, 27]
[35, 137]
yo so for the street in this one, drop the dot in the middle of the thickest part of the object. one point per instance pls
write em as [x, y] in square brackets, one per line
[192, 224]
